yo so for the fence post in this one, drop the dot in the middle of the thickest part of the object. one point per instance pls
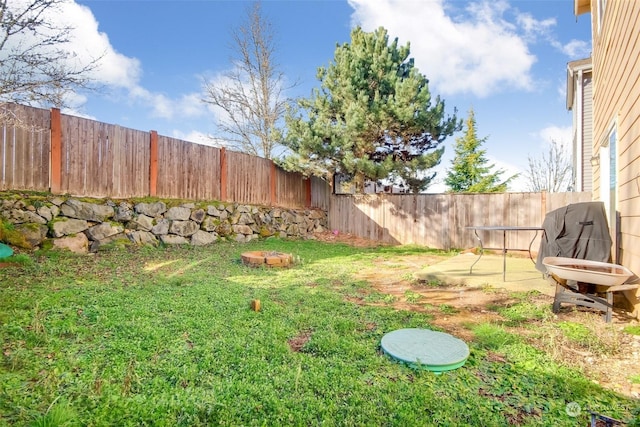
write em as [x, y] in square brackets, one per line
[56, 152]
[153, 163]
[274, 177]
[307, 202]
[223, 174]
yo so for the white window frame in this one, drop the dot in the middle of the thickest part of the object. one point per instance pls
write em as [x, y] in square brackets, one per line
[609, 179]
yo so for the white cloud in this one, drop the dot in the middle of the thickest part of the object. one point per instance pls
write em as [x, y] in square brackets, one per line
[533, 28]
[574, 49]
[87, 43]
[474, 51]
[196, 137]
[559, 134]
[519, 184]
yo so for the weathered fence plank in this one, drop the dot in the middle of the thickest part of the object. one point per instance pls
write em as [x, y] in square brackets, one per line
[187, 171]
[320, 193]
[249, 179]
[291, 188]
[24, 148]
[103, 160]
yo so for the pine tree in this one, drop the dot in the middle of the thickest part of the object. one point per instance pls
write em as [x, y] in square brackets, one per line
[470, 170]
[372, 118]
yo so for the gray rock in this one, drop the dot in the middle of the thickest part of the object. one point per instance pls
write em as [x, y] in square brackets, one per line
[78, 244]
[184, 228]
[32, 235]
[235, 217]
[161, 227]
[95, 245]
[210, 224]
[243, 209]
[67, 226]
[316, 214]
[45, 212]
[141, 222]
[245, 219]
[286, 216]
[124, 212]
[213, 211]
[73, 208]
[178, 213]
[202, 238]
[142, 238]
[57, 201]
[103, 230]
[20, 217]
[55, 211]
[198, 215]
[242, 229]
[151, 209]
[275, 213]
[224, 229]
[172, 239]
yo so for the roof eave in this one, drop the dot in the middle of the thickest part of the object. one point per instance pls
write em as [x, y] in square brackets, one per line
[581, 6]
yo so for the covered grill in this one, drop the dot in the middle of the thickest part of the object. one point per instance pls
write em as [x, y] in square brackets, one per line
[579, 230]
[575, 251]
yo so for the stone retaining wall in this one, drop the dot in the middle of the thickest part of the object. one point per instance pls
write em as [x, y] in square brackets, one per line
[84, 226]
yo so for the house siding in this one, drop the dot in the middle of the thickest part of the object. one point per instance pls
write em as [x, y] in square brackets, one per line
[616, 100]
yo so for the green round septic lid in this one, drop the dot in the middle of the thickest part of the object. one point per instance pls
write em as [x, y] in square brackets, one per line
[5, 251]
[425, 349]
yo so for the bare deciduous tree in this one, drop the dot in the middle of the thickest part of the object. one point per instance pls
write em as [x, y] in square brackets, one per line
[551, 172]
[251, 94]
[35, 67]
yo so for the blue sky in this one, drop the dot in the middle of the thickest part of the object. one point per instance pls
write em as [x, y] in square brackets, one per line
[505, 59]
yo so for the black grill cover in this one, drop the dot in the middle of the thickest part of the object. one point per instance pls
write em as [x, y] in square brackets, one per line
[579, 230]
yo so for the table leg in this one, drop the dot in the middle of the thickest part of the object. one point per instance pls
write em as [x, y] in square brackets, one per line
[504, 255]
[481, 251]
[531, 244]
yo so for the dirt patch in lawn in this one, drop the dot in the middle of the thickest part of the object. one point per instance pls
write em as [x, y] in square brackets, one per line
[607, 355]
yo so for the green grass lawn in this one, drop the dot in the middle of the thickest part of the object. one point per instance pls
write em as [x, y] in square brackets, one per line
[166, 337]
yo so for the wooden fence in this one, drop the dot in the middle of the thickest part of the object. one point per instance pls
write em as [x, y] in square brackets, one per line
[439, 220]
[44, 150]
